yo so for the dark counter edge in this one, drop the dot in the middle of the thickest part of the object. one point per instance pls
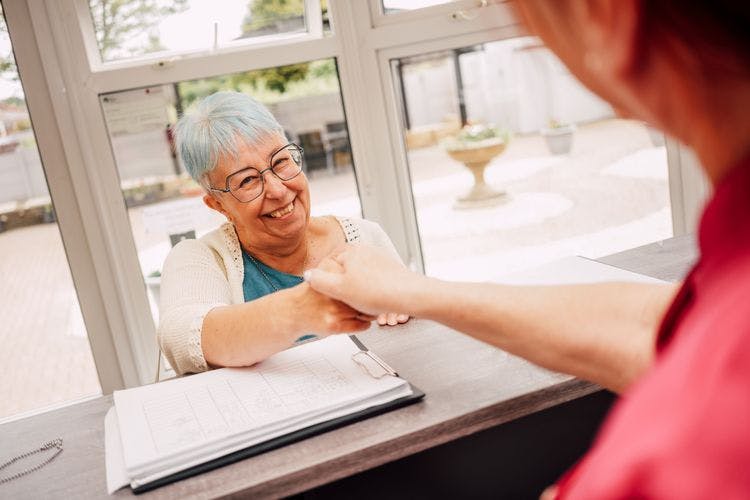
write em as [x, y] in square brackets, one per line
[424, 439]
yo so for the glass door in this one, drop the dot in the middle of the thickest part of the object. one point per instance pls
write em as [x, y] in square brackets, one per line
[513, 163]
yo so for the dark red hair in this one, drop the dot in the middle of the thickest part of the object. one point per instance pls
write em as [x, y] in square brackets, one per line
[717, 31]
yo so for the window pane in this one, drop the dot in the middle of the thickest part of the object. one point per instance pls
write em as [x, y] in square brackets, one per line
[165, 205]
[573, 179]
[395, 6]
[131, 28]
[45, 355]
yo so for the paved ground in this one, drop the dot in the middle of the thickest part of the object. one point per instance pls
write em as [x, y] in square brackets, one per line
[609, 194]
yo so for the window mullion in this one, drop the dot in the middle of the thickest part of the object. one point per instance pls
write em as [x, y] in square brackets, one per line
[363, 93]
[314, 18]
[168, 70]
[106, 220]
[688, 187]
[423, 28]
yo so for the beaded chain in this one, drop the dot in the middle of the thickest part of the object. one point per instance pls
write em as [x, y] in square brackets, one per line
[56, 444]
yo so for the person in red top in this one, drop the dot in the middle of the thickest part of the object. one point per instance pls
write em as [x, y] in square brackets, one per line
[679, 358]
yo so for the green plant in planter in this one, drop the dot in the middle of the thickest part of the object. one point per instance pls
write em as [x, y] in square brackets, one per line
[554, 124]
[476, 136]
[475, 146]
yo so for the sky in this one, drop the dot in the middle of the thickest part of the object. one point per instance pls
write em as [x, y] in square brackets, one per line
[200, 17]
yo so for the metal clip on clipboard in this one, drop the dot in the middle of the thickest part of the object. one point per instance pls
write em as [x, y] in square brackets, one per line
[370, 362]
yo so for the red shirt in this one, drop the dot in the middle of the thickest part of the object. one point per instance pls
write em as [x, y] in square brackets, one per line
[683, 430]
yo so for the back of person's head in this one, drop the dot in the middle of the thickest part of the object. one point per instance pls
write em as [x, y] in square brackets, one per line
[212, 130]
[717, 32]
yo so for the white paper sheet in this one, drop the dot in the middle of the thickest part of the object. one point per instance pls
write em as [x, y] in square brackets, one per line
[570, 270]
[117, 476]
[170, 425]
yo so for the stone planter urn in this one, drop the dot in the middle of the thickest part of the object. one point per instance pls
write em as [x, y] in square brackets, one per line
[476, 156]
[559, 138]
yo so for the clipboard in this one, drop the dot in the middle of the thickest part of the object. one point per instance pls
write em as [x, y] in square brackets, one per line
[299, 435]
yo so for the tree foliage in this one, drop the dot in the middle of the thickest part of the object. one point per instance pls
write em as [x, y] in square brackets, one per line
[276, 79]
[321, 79]
[118, 21]
[263, 13]
[261, 16]
[7, 62]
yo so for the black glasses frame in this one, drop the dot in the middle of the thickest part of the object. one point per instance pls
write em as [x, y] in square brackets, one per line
[260, 174]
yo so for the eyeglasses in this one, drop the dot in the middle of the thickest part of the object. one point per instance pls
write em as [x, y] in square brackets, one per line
[247, 184]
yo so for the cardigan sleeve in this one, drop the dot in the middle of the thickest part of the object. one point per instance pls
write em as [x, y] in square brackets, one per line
[193, 282]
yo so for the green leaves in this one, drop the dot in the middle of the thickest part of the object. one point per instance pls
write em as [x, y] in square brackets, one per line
[118, 21]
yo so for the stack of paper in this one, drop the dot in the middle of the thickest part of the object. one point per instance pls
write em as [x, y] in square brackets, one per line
[173, 426]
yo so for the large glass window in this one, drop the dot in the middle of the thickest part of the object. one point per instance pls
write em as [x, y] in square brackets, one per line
[608, 192]
[45, 355]
[132, 28]
[165, 205]
[514, 163]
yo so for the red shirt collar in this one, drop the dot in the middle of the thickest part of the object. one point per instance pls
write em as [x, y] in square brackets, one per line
[725, 224]
[723, 234]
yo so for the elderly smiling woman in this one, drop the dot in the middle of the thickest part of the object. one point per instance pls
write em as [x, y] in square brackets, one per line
[236, 295]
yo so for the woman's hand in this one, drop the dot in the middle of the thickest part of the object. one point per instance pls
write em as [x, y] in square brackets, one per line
[319, 314]
[368, 279]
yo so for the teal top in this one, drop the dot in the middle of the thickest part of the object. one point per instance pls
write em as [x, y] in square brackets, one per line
[261, 280]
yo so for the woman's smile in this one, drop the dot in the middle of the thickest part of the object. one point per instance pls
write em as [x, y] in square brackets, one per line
[281, 213]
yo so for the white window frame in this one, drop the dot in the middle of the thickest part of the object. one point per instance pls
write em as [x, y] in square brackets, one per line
[457, 11]
[689, 188]
[375, 122]
[68, 76]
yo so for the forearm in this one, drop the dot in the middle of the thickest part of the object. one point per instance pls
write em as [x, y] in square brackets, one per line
[600, 332]
[244, 334]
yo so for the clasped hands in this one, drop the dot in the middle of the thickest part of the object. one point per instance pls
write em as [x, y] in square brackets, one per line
[364, 278]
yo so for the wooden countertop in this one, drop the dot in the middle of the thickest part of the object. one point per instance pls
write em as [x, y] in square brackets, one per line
[470, 386]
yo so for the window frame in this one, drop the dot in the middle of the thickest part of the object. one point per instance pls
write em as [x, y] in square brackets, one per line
[448, 10]
[65, 75]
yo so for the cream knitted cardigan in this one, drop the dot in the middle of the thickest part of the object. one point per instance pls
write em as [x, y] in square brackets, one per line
[201, 274]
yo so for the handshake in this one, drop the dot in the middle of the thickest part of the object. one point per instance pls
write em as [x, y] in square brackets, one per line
[357, 284]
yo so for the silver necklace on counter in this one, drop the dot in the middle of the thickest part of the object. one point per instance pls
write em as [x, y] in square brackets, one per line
[56, 444]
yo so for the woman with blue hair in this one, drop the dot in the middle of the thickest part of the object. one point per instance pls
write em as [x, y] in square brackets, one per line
[236, 295]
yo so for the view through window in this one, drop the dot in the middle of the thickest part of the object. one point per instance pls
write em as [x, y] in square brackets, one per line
[128, 29]
[45, 353]
[543, 168]
[165, 205]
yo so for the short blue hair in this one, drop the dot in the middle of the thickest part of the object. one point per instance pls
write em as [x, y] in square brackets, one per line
[211, 132]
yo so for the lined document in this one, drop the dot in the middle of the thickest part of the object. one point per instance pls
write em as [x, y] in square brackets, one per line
[169, 425]
[232, 404]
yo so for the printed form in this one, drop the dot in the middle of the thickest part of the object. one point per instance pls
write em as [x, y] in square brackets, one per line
[205, 413]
